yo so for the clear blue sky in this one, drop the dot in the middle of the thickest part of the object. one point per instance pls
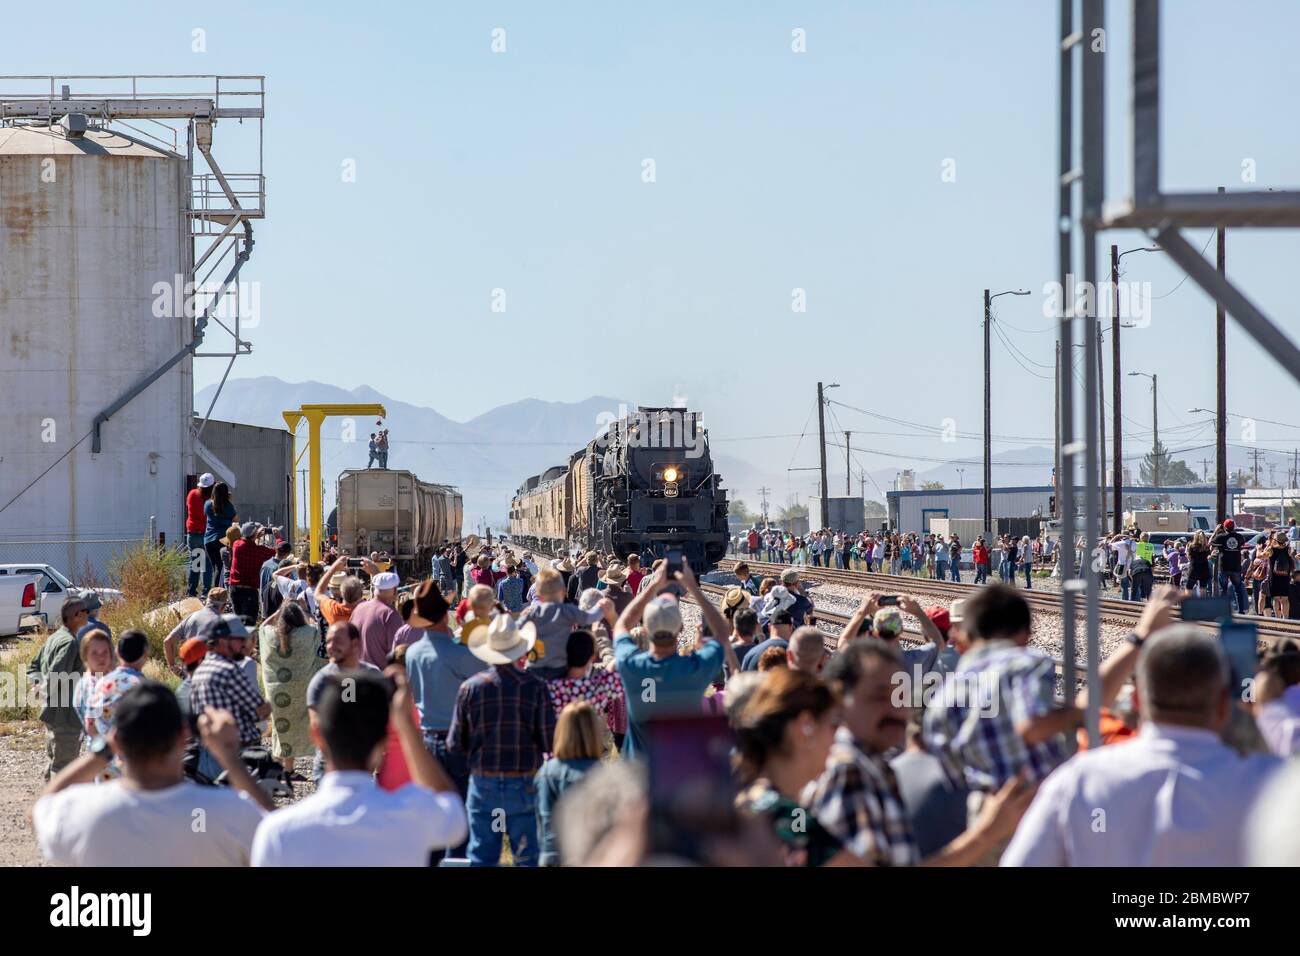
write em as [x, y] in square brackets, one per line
[775, 170]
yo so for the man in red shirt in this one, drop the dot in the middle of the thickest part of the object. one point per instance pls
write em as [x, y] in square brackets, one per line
[246, 560]
[195, 523]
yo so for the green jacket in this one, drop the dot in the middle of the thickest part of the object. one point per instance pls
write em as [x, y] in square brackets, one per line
[57, 668]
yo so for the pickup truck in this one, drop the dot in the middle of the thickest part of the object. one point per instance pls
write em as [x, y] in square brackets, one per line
[19, 598]
[53, 588]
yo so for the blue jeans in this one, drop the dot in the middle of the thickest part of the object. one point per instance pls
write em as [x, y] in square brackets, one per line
[1232, 583]
[1029, 574]
[458, 769]
[981, 573]
[956, 571]
[198, 564]
[494, 802]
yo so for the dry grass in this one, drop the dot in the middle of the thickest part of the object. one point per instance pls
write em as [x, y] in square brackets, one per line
[148, 577]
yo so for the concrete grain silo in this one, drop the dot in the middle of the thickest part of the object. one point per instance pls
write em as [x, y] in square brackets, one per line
[96, 227]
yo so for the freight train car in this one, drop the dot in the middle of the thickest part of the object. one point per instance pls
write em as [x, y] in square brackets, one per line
[645, 485]
[378, 509]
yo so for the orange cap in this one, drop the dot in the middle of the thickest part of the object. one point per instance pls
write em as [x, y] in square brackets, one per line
[193, 651]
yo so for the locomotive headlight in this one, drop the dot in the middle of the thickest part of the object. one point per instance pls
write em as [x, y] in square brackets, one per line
[670, 474]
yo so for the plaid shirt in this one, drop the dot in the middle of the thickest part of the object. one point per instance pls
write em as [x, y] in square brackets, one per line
[857, 801]
[246, 560]
[503, 721]
[219, 683]
[971, 724]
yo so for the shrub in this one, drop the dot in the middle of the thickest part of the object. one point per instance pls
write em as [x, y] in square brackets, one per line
[149, 575]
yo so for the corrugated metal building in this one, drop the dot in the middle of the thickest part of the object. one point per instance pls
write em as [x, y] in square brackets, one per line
[912, 510]
[261, 462]
[88, 226]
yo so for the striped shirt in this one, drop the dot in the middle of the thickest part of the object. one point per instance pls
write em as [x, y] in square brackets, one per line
[857, 801]
[971, 723]
[503, 721]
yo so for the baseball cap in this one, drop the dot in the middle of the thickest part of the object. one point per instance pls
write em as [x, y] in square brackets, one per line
[247, 528]
[386, 581]
[206, 480]
[193, 651]
[887, 622]
[227, 625]
[91, 600]
[789, 576]
[939, 616]
[1229, 523]
[663, 615]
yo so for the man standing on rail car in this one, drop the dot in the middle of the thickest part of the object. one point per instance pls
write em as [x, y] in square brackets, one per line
[374, 451]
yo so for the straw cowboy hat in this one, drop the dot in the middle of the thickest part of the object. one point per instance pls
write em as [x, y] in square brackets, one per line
[735, 597]
[233, 534]
[566, 565]
[503, 641]
[615, 574]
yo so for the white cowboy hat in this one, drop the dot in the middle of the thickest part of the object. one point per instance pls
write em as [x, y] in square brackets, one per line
[503, 641]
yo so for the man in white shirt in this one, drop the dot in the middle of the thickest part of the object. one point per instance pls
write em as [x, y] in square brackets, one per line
[1175, 795]
[349, 820]
[151, 815]
[1123, 547]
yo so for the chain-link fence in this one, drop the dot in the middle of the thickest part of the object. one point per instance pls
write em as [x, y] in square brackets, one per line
[86, 561]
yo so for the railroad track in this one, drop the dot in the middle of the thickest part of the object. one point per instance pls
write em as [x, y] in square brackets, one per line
[1270, 629]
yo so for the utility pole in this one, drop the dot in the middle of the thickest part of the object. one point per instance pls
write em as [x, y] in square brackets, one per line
[1254, 453]
[1115, 399]
[1155, 436]
[1221, 415]
[305, 500]
[763, 494]
[1205, 469]
[1101, 422]
[1056, 424]
[848, 467]
[988, 428]
[821, 432]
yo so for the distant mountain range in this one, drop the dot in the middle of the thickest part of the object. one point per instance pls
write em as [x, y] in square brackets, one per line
[486, 458]
[489, 456]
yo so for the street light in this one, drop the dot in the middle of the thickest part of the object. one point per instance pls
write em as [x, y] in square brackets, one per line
[988, 426]
[961, 477]
[1116, 396]
[1155, 430]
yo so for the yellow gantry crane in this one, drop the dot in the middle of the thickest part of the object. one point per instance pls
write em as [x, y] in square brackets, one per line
[315, 414]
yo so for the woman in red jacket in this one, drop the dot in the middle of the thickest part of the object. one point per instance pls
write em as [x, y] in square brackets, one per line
[980, 555]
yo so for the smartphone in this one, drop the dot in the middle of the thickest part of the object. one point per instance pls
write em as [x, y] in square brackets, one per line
[1206, 608]
[691, 786]
[1241, 645]
[888, 600]
[675, 559]
[354, 562]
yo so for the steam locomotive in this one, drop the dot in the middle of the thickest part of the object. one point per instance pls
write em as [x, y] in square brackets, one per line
[646, 484]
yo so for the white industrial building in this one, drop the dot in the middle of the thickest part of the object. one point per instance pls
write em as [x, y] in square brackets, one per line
[913, 510]
[105, 229]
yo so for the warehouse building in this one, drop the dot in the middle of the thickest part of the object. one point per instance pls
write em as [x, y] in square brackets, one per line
[913, 510]
[257, 463]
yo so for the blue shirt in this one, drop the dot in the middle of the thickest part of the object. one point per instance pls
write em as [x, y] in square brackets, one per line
[510, 592]
[269, 567]
[217, 524]
[661, 686]
[436, 666]
[750, 661]
[94, 624]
